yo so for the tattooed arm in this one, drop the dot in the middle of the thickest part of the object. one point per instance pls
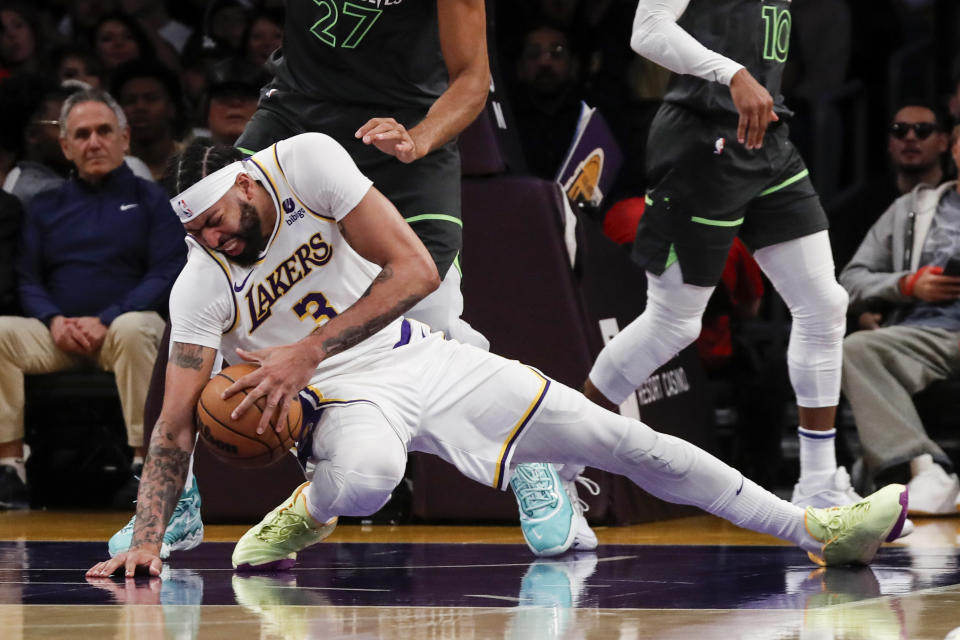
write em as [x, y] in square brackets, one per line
[168, 458]
[375, 229]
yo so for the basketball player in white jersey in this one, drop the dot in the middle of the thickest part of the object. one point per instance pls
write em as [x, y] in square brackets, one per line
[298, 264]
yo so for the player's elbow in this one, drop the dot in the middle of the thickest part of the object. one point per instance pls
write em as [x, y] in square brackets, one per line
[478, 89]
[428, 276]
[647, 36]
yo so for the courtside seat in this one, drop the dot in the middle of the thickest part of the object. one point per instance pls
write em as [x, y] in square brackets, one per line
[78, 443]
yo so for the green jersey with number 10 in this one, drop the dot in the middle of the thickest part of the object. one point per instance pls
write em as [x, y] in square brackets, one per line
[754, 33]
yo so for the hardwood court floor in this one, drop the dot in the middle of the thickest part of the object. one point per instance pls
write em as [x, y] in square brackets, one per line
[697, 578]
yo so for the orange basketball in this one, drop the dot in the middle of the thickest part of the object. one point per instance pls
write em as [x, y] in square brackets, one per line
[237, 441]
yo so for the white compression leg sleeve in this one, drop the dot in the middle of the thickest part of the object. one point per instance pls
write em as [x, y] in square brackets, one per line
[570, 429]
[802, 272]
[359, 460]
[670, 322]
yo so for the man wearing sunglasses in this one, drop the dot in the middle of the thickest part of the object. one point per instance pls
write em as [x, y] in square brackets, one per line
[904, 281]
[917, 141]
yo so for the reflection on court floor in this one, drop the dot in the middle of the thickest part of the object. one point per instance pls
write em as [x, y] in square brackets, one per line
[386, 590]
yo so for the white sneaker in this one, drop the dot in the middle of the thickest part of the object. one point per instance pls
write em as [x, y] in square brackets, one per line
[584, 539]
[834, 492]
[932, 491]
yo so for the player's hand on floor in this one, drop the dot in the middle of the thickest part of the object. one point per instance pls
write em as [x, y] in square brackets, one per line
[129, 592]
[282, 373]
[391, 137]
[133, 562]
[755, 106]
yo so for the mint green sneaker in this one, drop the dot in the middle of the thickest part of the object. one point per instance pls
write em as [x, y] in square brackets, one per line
[547, 517]
[184, 531]
[851, 534]
[273, 544]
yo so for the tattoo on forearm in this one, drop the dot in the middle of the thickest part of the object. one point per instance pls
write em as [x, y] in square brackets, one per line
[385, 274]
[164, 473]
[354, 335]
[187, 356]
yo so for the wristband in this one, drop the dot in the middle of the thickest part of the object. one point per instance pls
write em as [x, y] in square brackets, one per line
[909, 281]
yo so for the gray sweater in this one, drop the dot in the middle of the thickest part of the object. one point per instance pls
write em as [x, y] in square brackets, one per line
[890, 250]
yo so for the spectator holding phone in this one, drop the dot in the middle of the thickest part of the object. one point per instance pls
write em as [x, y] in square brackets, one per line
[904, 281]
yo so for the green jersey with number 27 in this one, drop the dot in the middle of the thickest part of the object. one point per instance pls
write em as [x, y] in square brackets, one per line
[380, 52]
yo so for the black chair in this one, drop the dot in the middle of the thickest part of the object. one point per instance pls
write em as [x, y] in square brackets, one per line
[74, 426]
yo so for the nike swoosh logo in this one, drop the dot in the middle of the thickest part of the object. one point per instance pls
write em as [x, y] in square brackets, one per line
[741, 486]
[239, 287]
[124, 207]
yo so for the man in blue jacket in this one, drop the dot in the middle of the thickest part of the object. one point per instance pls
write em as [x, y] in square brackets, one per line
[98, 256]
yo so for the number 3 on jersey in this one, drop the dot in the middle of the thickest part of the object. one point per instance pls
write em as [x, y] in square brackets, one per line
[360, 17]
[314, 304]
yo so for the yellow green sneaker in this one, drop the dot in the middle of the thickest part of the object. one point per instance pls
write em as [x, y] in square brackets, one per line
[273, 544]
[851, 534]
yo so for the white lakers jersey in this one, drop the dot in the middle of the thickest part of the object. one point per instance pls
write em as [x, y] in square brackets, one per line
[306, 275]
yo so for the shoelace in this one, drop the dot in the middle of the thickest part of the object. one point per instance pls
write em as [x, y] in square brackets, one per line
[835, 518]
[284, 526]
[571, 488]
[535, 490]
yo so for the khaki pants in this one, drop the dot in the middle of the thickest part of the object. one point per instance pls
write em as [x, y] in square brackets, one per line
[128, 351]
[882, 370]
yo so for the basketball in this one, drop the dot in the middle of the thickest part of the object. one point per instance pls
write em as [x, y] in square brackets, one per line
[237, 441]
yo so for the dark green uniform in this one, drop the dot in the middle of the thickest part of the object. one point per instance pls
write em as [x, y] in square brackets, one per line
[706, 186]
[344, 62]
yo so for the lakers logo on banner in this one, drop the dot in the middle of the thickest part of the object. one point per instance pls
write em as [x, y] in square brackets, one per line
[584, 184]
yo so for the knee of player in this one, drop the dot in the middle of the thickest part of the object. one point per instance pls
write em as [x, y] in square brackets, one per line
[827, 312]
[837, 302]
[648, 451]
[683, 327]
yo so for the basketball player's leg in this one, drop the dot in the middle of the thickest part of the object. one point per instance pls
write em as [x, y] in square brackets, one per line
[359, 459]
[787, 229]
[670, 322]
[682, 243]
[802, 271]
[570, 429]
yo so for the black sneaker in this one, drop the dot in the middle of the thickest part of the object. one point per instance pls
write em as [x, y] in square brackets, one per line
[126, 495]
[13, 492]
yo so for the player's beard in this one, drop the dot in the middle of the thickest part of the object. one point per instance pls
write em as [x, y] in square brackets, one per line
[253, 240]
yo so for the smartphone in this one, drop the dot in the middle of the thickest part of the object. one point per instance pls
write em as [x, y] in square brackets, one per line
[952, 268]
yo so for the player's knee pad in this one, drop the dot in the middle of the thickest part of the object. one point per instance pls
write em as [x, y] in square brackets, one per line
[821, 317]
[357, 486]
[815, 351]
[653, 454]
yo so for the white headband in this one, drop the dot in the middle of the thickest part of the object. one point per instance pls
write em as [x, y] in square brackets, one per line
[198, 198]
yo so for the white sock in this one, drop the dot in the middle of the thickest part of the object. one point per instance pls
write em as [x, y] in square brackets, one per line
[818, 457]
[16, 463]
[137, 460]
[757, 509]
